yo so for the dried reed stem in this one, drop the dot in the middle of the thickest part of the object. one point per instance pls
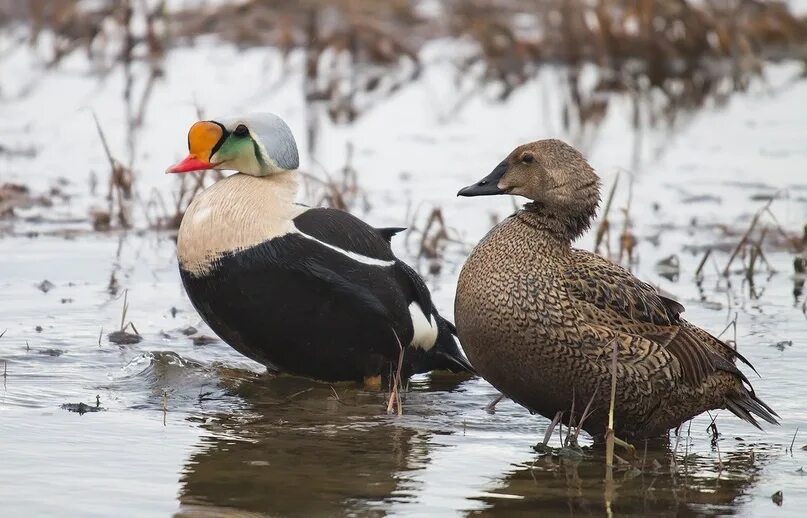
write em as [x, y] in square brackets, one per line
[609, 433]
[699, 270]
[395, 393]
[586, 412]
[744, 239]
[551, 428]
[604, 227]
[125, 309]
[165, 405]
[491, 407]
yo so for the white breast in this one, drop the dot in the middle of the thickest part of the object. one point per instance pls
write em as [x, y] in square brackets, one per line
[233, 214]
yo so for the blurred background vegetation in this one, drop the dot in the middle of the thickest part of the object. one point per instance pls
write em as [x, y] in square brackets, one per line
[681, 52]
[669, 58]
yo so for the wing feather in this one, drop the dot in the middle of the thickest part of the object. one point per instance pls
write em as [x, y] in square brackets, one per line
[610, 287]
[344, 230]
[612, 296]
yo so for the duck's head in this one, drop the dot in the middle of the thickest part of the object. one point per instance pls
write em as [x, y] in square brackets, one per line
[257, 145]
[553, 174]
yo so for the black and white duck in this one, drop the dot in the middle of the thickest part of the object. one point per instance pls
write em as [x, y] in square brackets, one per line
[308, 291]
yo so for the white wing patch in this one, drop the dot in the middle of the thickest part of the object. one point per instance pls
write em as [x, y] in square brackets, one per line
[424, 329]
[372, 261]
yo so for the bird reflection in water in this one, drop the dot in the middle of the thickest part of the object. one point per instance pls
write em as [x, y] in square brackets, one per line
[301, 448]
[662, 482]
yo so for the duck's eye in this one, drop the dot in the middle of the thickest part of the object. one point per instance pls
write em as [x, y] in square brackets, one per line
[241, 131]
[527, 158]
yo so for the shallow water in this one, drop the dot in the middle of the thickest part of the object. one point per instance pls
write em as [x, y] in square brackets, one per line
[197, 430]
[232, 439]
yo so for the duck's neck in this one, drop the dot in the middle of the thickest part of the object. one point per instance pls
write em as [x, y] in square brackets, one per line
[284, 185]
[564, 227]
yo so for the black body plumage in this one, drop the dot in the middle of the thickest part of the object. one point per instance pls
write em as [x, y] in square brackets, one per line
[330, 301]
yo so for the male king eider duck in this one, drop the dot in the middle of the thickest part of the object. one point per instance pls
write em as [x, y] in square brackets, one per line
[540, 319]
[314, 292]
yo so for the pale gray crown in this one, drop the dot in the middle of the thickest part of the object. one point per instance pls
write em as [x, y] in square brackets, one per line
[273, 135]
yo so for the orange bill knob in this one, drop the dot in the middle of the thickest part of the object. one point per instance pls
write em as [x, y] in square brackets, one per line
[202, 139]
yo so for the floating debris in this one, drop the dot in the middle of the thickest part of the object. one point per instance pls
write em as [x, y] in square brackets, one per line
[188, 331]
[51, 352]
[702, 198]
[765, 196]
[45, 286]
[204, 340]
[83, 408]
[777, 498]
[124, 338]
[783, 344]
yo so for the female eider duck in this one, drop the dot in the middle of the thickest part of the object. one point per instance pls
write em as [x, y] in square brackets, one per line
[314, 292]
[539, 319]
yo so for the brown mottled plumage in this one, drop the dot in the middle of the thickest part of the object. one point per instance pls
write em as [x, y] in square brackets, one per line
[539, 319]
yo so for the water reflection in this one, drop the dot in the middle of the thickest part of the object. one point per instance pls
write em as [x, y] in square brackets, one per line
[669, 485]
[299, 447]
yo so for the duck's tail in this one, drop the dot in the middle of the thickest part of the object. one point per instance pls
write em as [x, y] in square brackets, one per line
[447, 349]
[745, 402]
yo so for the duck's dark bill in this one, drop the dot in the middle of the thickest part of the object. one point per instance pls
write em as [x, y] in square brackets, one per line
[488, 185]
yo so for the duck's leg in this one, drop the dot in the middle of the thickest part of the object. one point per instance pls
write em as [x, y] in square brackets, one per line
[490, 408]
[372, 383]
[625, 444]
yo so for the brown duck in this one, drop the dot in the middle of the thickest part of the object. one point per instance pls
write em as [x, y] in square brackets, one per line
[539, 319]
